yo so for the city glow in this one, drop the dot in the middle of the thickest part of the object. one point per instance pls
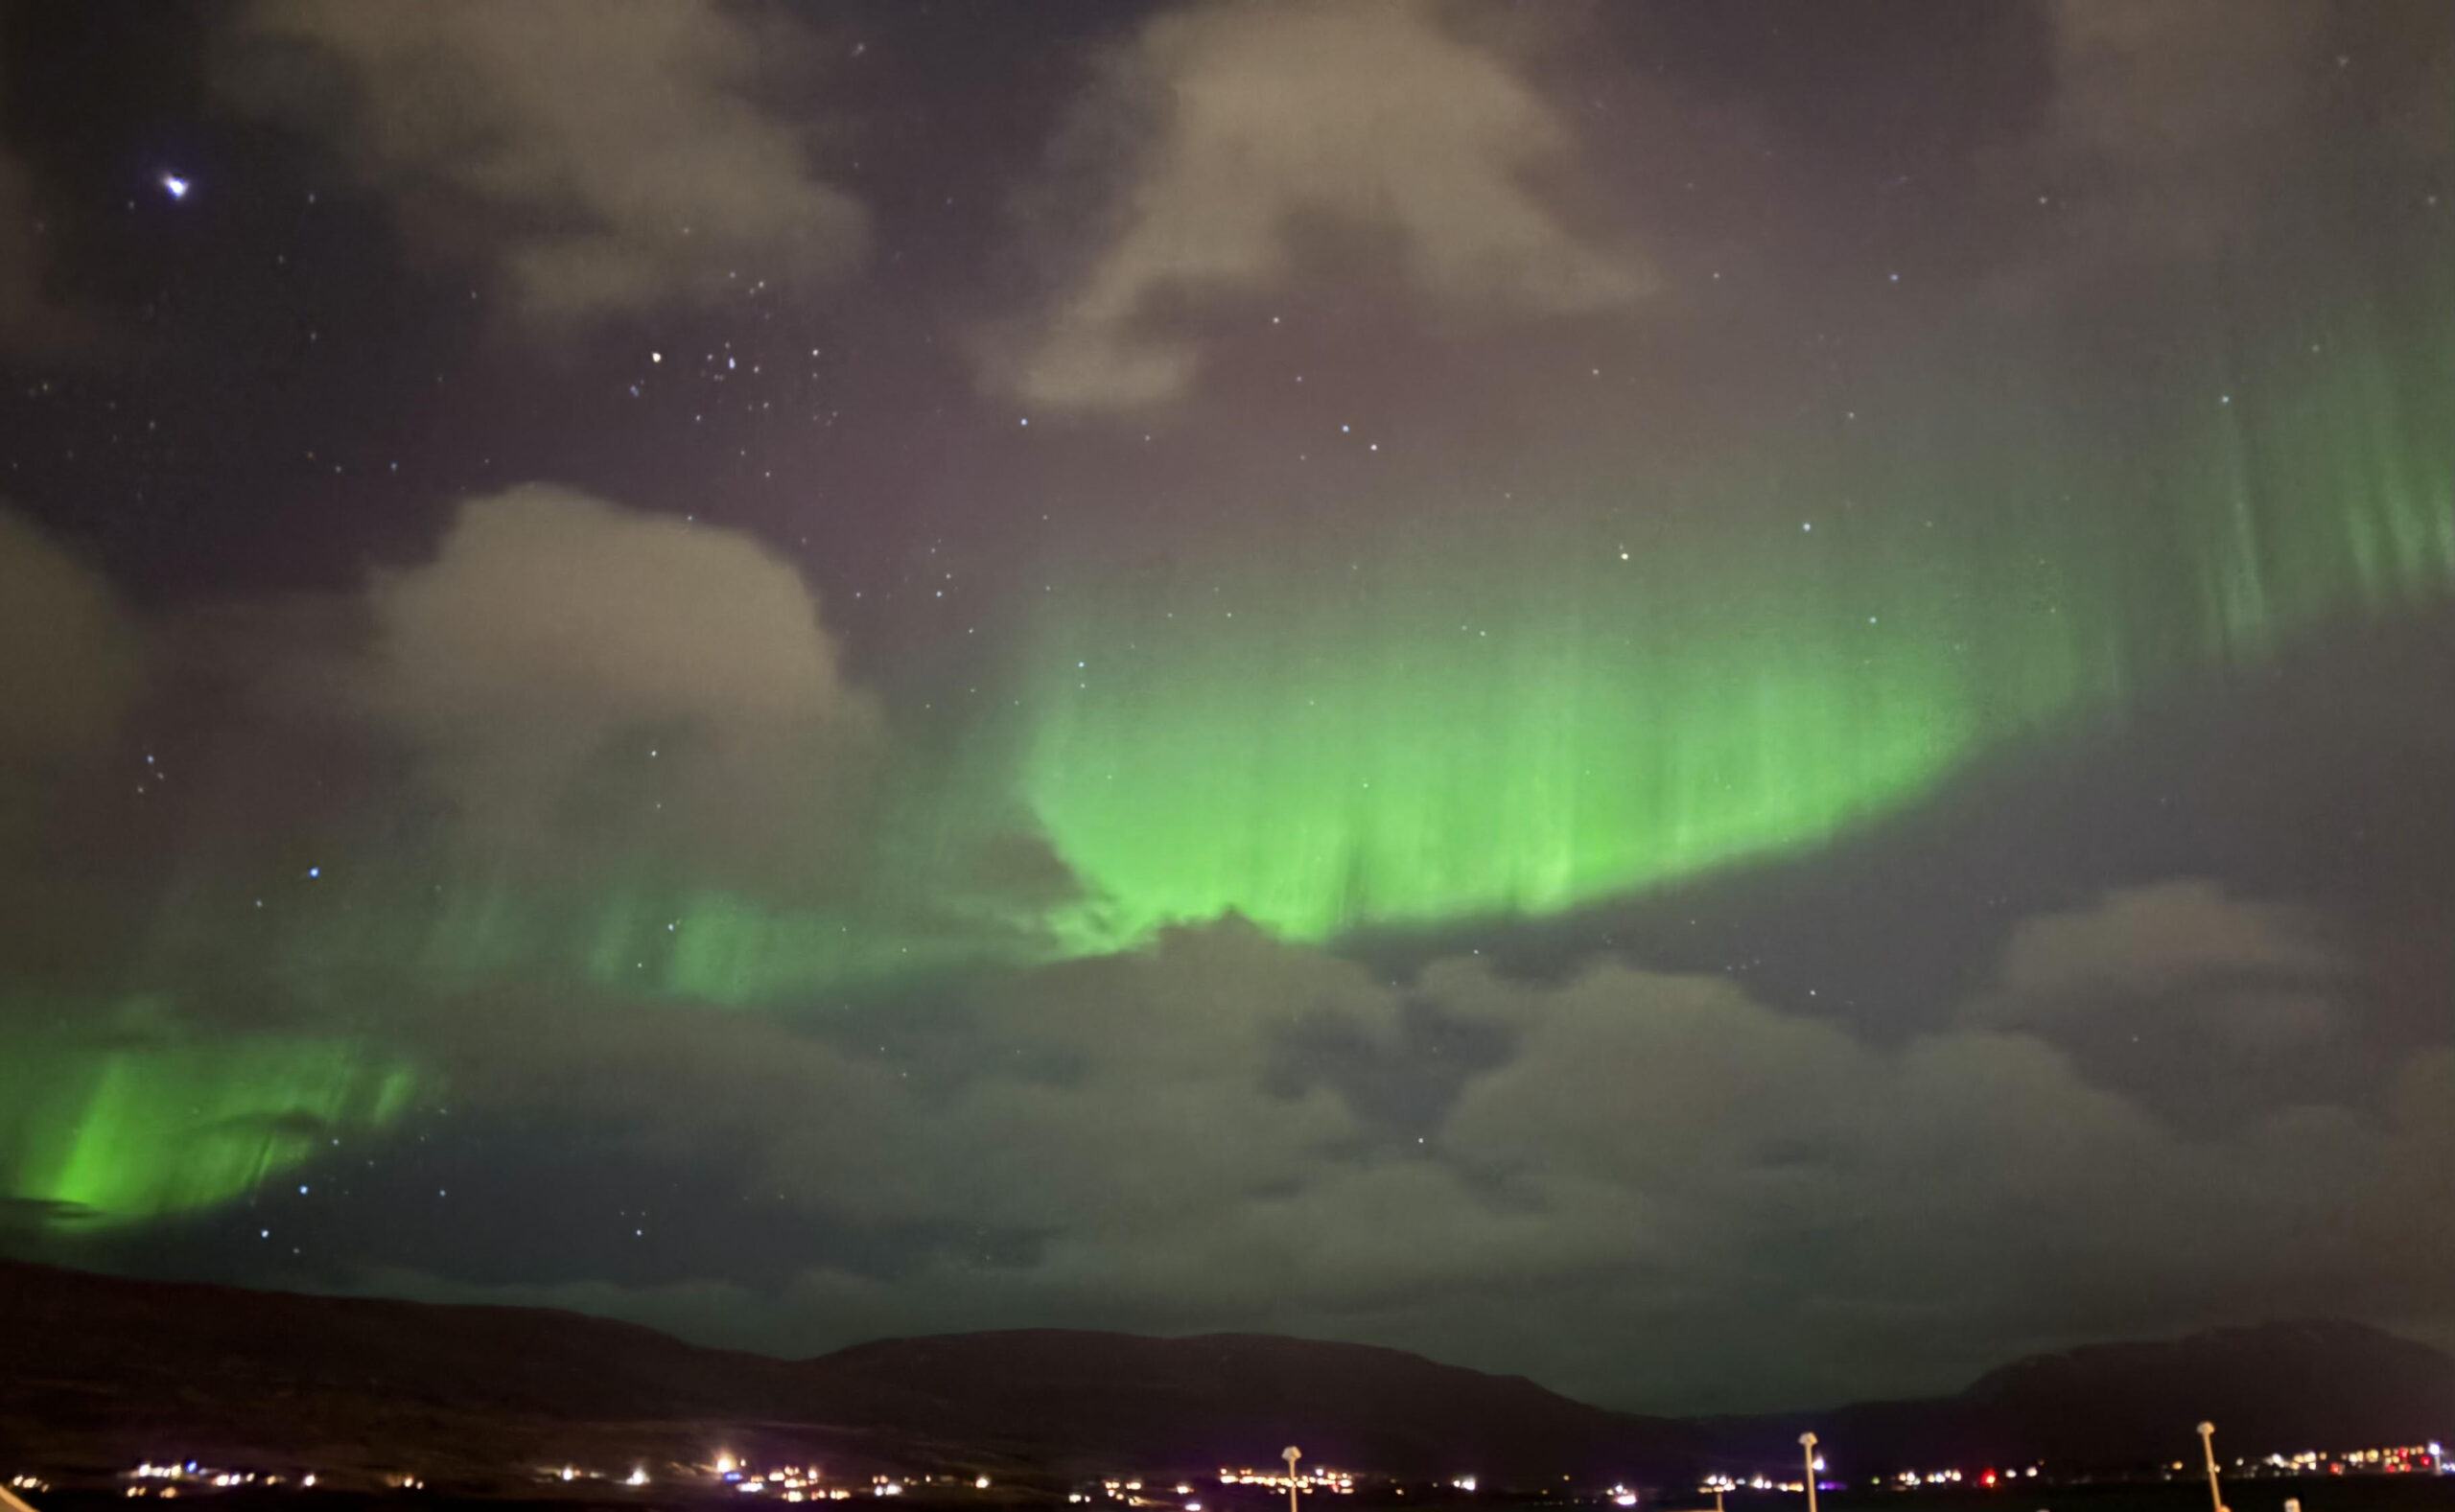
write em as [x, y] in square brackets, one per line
[1336, 1481]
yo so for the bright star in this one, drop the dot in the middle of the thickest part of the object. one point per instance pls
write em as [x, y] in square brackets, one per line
[174, 186]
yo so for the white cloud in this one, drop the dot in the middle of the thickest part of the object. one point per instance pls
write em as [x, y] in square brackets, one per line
[561, 657]
[604, 155]
[1367, 115]
[2142, 940]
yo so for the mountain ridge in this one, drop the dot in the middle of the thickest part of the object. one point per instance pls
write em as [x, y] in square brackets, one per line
[475, 1390]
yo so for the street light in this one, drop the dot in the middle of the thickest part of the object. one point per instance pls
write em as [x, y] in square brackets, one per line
[1806, 1446]
[1291, 1453]
[2207, 1452]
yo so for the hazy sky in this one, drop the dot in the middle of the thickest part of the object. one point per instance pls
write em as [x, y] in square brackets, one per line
[1732, 705]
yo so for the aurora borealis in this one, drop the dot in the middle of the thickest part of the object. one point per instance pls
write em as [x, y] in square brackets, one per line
[1373, 756]
[118, 1136]
[1763, 704]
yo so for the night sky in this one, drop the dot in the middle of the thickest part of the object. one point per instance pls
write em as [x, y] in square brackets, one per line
[1735, 705]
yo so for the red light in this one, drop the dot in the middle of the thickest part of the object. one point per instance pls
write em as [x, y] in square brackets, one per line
[1986, 1479]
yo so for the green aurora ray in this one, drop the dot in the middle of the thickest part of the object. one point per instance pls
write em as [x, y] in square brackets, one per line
[102, 1136]
[1480, 731]
[1506, 720]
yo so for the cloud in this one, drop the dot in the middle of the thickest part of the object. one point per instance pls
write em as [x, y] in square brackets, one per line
[2148, 1119]
[580, 749]
[602, 156]
[1273, 118]
[69, 657]
[576, 674]
[1222, 1131]
[2149, 939]
[30, 321]
[2207, 1009]
[2171, 119]
[72, 665]
[1664, 1159]
[788, 1112]
[1628, 1159]
[21, 303]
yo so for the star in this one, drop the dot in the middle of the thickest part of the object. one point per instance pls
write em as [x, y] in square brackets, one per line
[175, 186]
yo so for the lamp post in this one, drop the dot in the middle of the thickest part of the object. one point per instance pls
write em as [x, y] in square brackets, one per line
[1291, 1453]
[2207, 1452]
[1806, 1446]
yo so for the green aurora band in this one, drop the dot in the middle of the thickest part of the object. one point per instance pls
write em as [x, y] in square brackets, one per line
[1496, 719]
[1437, 740]
[99, 1138]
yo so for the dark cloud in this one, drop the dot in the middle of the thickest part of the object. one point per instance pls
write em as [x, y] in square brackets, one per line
[601, 159]
[2170, 118]
[1404, 1088]
[29, 318]
[72, 667]
[1649, 1158]
[70, 659]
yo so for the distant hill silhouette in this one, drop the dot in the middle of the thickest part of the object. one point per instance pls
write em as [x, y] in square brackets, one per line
[2277, 1387]
[1223, 1399]
[97, 1372]
[100, 1372]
